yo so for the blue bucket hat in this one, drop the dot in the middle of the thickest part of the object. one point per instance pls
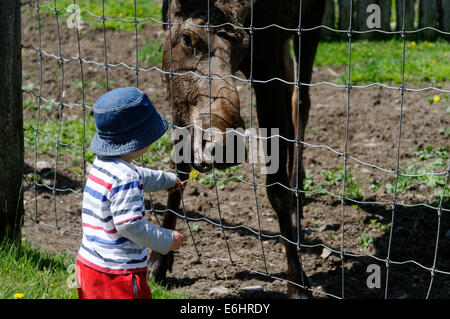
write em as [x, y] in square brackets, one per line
[126, 122]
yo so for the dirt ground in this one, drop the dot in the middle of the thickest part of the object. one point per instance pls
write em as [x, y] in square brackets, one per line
[373, 134]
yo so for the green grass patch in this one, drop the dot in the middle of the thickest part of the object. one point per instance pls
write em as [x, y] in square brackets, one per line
[334, 178]
[159, 151]
[352, 186]
[224, 177]
[427, 160]
[116, 9]
[36, 274]
[381, 61]
[71, 133]
[150, 52]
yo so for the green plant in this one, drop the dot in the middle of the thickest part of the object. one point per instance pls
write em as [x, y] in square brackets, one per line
[160, 150]
[310, 186]
[336, 176]
[375, 185]
[365, 241]
[194, 228]
[150, 52]
[429, 159]
[444, 131]
[377, 225]
[223, 177]
[71, 137]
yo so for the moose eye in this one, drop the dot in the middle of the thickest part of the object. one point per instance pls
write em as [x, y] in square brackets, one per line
[187, 40]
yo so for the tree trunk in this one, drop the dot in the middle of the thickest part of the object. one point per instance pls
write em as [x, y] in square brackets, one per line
[11, 122]
[428, 17]
[329, 19]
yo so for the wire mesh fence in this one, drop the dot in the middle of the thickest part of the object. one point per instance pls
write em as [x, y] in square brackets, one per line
[102, 64]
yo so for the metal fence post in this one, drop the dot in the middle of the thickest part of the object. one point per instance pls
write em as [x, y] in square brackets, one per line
[11, 121]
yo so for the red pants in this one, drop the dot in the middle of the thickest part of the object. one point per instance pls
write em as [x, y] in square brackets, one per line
[94, 284]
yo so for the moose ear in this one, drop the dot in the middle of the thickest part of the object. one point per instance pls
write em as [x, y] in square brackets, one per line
[170, 7]
[175, 6]
[235, 10]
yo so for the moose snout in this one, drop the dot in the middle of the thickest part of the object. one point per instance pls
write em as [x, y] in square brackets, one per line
[221, 145]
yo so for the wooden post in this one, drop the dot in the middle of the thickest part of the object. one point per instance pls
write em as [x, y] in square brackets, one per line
[409, 14]
[444, 18]
[386, 6]
[11, 122]
[428, 17]
[361, 18]
[329, 19]
[344, 16]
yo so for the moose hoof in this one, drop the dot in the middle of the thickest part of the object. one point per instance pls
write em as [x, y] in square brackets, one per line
[299, 293]
[159, 264]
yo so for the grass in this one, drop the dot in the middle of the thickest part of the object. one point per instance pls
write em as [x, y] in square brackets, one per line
[37, 274]
[150, 52]
[225, 177]
[160, 150]
[381, 61]
[116, 9]
[427, 160]
[33, 273]
[71, 133]
[335, 177]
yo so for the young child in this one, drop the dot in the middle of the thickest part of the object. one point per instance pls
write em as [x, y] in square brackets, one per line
[112, 260]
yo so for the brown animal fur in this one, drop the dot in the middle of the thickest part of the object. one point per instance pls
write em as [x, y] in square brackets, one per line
[186, 49]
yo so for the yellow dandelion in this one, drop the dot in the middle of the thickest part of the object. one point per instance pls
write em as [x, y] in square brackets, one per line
[194, 175]
[141, 11]
[120, 15]
[436, 98]
[18, 295]
[413, 43]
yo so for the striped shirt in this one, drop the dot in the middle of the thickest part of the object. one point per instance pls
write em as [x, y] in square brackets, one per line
[114, 196]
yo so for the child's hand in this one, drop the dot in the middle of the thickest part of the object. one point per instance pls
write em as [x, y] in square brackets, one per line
[176, 187]
[178, 240]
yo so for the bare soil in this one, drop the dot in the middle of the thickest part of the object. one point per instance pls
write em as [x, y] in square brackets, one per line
[372, 138]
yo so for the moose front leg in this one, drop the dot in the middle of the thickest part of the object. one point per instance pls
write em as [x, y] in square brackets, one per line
[280, 199]
[158, 263]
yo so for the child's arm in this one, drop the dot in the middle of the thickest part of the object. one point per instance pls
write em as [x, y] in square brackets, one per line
[146, 234]
[126, 209]
[155, 180]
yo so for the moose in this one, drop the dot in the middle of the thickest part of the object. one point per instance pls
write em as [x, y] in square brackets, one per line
[194, 47]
